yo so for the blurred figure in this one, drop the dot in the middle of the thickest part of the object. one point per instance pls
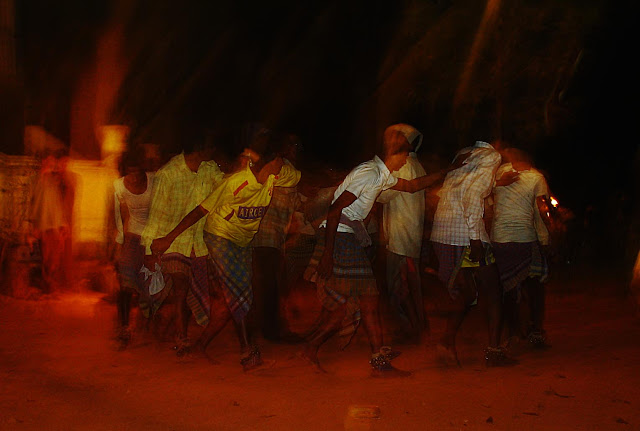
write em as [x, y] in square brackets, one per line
[301, 239]
[269, 269]
[179, 187]
[152, 159]
[233, 212]
[403, 224]
[461, 243]
[51, 218]
[340, 266]
[132, 202]
[520, 238]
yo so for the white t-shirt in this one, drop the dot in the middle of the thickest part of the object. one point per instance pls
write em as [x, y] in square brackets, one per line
[403, 213]
[138, 206]
[365, 181]
[516, 217]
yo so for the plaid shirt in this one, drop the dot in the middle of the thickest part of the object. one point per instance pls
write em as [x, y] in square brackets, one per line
[177, 190]
[275, 223]
[458, 218]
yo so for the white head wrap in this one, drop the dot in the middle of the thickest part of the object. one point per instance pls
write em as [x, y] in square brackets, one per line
[414, 137]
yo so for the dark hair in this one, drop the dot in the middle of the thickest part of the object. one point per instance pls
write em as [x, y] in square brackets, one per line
[268, 144]
[513, 154]
[193, 139]
[133, 157]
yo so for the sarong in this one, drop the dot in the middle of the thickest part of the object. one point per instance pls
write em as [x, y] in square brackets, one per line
[129, 263]
[519, 261]
[195, 268]
[403, 286]
[451, 258]
[231, 270]
[352, 277]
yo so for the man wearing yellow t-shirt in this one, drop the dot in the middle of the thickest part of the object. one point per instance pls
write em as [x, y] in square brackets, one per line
[234, 210]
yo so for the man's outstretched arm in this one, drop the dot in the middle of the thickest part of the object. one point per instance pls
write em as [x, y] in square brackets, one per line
[421, 183]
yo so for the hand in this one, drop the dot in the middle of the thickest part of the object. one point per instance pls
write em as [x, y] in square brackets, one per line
[271, 168]
[150, 261]
[458, 162]
[325, 266]
[508, 178]
[477, 250]
[160, 245]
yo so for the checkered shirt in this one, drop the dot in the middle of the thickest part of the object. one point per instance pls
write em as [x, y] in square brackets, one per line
[177, 190]
[458, 218]
[275, 223]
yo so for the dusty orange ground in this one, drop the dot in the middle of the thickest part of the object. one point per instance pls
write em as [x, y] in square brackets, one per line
[58, 370]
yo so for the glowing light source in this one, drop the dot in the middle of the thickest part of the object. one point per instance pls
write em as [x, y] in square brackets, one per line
[554, 202]
[113, 140]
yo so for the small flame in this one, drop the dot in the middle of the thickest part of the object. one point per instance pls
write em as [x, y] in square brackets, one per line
[554, 202]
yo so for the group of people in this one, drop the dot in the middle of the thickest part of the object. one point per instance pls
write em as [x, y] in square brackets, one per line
[215, 243]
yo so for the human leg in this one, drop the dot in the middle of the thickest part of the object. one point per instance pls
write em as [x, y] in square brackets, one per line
[330, 321]
[371, 321]
[123, 304]
[267, 265]
[381, 355]
[218, 319]
[50, 244]
[420, 321]
[398, 290]
[489, 284]
[511, 313]
[536, 293]
[181, 284]
[460, 305]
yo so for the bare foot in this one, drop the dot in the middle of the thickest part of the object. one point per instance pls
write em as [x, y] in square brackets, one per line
[311, 358]
[199, 353]
[447, 356]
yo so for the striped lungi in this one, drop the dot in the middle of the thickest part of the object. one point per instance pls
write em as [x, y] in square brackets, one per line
[129, 263]
[231, 269]
[352, 277]
[195, 268]
[451, 258]
[519, 261]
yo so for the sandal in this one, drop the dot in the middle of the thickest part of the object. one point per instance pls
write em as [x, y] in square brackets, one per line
[381, 367]
[182, 347]
[497, 357]
[123, 337]
[252, 360]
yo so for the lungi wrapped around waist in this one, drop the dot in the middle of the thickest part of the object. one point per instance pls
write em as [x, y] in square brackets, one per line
[352, 277]
[129, 263]
[231, 270]
[518, 261]
[195, 268]
[452, 258]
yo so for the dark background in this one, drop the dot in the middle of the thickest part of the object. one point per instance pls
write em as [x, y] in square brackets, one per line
[556, 78]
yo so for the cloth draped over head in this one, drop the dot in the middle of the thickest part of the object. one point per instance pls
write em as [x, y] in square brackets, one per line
[414, 137]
